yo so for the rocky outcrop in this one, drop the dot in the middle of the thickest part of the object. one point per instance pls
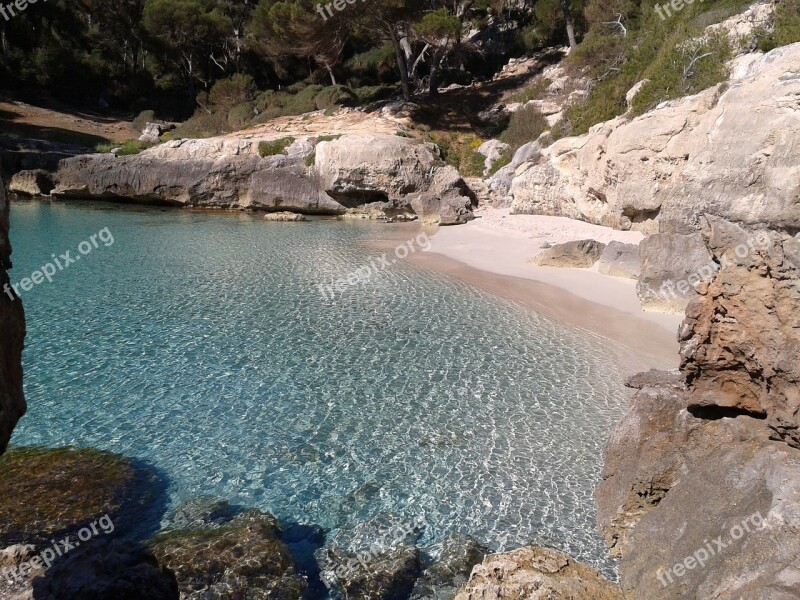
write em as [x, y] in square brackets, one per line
[580, 254]
[362, 172]
[620, 260]
[243, 557]
[672, 265]
[31, 183]
[728, 149]
[536, 574]
[751, 311]
[12, 334]
[284, 217]
[723, 431]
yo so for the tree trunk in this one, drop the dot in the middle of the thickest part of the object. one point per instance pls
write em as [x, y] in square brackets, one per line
[573, 42]
[330, 72]
[436, 62]
[401, 64]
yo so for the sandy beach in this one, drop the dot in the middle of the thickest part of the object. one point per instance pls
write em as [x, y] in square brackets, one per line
[493, 254]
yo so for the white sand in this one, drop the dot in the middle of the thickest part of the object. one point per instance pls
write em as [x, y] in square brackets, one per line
[501, 243]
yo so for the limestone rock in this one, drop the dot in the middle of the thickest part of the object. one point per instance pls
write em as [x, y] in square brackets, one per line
[12, 334]
[620, 260]
[152, 131]
[750, 310]
[575, 255]
[242, 558]
[536, 574]
[31, 183]
[699, 492]
[201, 513]
[366, 172]
[728, 150]
[284, 217]
[671, 266]
[493, 150]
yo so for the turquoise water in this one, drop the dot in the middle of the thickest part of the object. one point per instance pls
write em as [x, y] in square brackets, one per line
[201, 344]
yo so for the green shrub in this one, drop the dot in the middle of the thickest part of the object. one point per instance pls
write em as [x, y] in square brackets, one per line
[143, 118]
[534, 92]
[240, 115]
[335, 95]
[274, 147]
[459, 150]
[127, 148]
[202, 125]
[525, 125]
[787, 27]
[231, 92]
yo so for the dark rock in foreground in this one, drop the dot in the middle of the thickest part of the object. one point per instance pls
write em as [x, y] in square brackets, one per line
[12, 336]
[107, 570]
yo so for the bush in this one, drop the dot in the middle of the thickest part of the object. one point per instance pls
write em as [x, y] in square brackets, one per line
[240, 115]
[787, 26]
[460, 151]
[525, 125]
[127, 148]
[228, 93]
[335, 95]
[274, 147]
[144, 117]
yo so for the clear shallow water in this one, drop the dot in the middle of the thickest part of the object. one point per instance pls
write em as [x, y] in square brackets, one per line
[201, 344]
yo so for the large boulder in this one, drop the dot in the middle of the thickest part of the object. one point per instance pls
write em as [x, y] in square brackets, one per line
[12, 334]
[672, 265]
[729, 149]
[106, 569]
[536, 574]
[620, 260]
[580, 254]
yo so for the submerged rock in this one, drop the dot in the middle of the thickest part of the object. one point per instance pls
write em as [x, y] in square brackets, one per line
[201, 513]
[441, 580]
[48, 494]
[374, 560]
[575, 255]
[12, 337]
[536, 574]
[243, 558]
[284, 217]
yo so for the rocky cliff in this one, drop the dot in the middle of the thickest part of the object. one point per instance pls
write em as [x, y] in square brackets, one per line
[731, 149]
[701, 487]
[12, 335]
[361, 173]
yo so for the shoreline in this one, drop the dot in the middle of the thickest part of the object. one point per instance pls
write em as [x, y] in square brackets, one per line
[598, 304]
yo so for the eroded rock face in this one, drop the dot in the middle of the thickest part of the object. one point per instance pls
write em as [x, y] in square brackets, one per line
[536, 574]
[12, 337]
[700, 492]
[730, 150]
[381, 174]
[751, 311]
